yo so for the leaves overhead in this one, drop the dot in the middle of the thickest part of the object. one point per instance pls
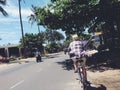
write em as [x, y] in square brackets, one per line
[3, 2]
[74, 16]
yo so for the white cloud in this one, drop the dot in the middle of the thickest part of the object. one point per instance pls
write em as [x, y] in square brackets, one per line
[4, 20]
[13, 10]
[10, 30]
[7, 34]
[9, 37]
[15, 17]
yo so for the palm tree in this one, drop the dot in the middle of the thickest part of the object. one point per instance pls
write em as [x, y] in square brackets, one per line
[33, 17]
[3, 2]
[23, 41]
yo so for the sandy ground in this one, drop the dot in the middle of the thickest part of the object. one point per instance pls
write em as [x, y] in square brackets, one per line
[109, 79]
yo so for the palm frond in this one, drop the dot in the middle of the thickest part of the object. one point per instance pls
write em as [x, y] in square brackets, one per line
[3, 11]
[3, 2]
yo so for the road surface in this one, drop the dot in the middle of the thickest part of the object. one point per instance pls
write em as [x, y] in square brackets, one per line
[54, 73]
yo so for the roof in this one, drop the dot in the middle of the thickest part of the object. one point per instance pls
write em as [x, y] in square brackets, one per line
[8, 46]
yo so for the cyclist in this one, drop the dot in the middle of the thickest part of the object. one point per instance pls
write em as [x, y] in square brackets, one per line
[38, 56]
[75, 50]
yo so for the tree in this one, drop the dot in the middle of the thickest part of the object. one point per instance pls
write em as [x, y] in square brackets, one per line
[53, 36]
[23, 41]
[53, 39]
[33, 41]
[63, 15]
[33, 17]
[3, 2]
[74, 16]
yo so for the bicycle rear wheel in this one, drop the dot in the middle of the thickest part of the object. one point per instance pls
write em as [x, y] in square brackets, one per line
[82, 78]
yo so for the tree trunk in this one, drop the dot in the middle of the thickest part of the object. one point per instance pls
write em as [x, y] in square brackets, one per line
[23, 42]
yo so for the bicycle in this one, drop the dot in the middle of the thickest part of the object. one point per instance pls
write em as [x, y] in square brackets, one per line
[82, 73]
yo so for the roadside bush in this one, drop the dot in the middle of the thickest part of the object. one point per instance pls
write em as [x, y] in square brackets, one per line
[52, 48]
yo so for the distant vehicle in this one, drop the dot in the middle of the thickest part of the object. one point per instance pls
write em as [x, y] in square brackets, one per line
[65, 50]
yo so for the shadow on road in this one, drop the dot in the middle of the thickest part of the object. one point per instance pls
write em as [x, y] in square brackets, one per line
[67, 64]
[97, 87]
[52, 55]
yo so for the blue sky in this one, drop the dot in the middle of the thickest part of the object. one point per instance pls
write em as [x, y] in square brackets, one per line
[10, 31]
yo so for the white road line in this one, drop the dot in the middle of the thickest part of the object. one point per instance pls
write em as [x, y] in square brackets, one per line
[15, 85]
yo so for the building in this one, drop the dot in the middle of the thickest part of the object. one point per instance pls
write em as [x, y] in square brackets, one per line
[11, 50]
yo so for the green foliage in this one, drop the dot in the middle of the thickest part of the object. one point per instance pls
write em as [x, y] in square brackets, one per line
[3, 2]
[33, 41]
[68, 15]
[74, 16]
[52, 47]
[66, 43]
[53, 36]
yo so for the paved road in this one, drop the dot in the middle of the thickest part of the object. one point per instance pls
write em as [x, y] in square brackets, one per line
[54, 73]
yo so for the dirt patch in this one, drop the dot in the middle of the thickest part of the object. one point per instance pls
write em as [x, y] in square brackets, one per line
[104, 69]
[109, 78]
